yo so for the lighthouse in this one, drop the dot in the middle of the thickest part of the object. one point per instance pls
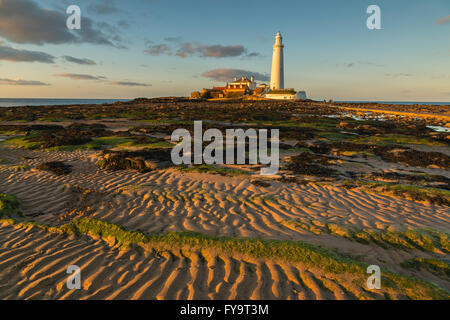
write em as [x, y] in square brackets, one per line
[277, 75]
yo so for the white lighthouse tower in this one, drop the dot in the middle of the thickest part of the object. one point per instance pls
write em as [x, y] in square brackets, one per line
[277, 75]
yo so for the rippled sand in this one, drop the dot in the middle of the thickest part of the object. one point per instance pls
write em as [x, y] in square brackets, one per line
[33, 262]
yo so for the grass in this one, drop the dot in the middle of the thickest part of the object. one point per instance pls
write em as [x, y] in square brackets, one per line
[444, 241]
[159, 144]
[299, 149]
[321, 127]
[168, 121]
[19, 168]
[12, 133]
[144, 116]
[339, 230]
[135, 187]
[364, 154]
[119, 142]
[21, 143]
[390, 139]
[96, 144]
[290, 251]
[319, 123]
[412, 192]
[387, 239]
[419, 193]
[286, 250]
[113, 141]
[437, 267]
[424, 240]
[205, 168]
[420, 240]
[9, 205]
[334, 136]
[306, 226]
[49, 119]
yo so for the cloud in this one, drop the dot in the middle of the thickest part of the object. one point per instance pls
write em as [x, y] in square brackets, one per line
[113, 31]
[104, 7]
[76, 76]
[174, 39]
[84, 61]
[219, 51]
[18, 55]
[373, 64]
[225, 74]
[346, 65]
[90, 34]
[397, 75]
[253, 54]
[214, 51]
[20, 82]
[359, 63]
[194, 48]
[129, 84]
[24, 21]
[124, 24]
[185, 50]
[443, 20]
[159, 49]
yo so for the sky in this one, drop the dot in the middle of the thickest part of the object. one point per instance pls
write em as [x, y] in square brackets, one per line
[151, 48]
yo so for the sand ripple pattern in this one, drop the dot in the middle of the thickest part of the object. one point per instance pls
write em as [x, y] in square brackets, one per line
[33, 265]
[170, 200]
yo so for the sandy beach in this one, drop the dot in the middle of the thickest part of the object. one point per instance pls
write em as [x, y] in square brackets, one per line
[348, 212]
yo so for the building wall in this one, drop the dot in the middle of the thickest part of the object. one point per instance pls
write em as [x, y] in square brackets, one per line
[280, 96]
[298, 95]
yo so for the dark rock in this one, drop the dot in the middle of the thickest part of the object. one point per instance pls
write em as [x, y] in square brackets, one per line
[142, 160]
[56, 167]
[311, 164]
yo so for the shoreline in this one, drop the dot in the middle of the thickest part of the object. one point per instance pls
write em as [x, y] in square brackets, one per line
[412, 114]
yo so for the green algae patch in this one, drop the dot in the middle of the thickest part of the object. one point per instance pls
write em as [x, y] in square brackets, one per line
[290, 251]
[9, 205]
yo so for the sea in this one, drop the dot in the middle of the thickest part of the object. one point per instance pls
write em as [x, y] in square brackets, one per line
[13, 102]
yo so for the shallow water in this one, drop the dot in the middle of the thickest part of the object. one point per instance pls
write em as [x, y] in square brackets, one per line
[384, 118]
[439, 129]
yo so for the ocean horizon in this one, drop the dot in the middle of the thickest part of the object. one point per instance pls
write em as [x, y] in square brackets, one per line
[19, 102]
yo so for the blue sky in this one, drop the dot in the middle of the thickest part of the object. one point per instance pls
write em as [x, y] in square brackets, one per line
[150, 48]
